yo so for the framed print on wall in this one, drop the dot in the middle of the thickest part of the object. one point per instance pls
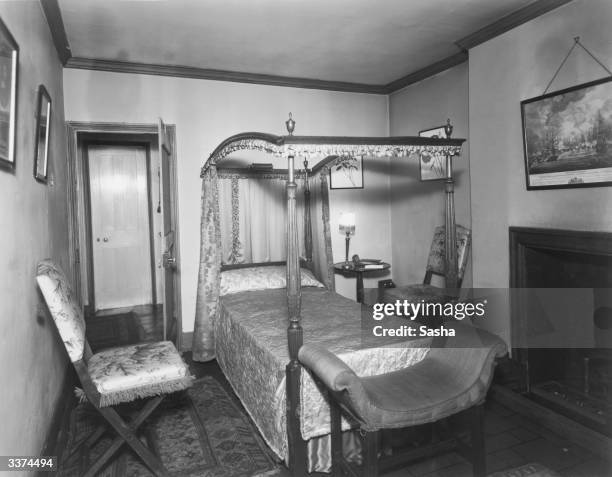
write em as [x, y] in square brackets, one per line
[43, 128]
[346, 173]
[432, 167]
[9, 61]
[567, 137]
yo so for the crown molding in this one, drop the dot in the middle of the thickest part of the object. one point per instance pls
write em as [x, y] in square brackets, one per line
[53, 14]
[221, 75]
[523, 15]
[504, 24]
[427, 72]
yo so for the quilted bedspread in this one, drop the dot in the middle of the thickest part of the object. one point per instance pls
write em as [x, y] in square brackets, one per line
[251, 347]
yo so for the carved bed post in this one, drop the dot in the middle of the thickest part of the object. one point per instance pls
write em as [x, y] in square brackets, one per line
[307, 218]
[296, 445]
[450, 235]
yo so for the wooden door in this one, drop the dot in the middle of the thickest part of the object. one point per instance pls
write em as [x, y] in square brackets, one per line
[120, 230]
[169, 259]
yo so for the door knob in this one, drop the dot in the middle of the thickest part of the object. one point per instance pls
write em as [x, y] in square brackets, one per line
[105, 239]
[168, 261]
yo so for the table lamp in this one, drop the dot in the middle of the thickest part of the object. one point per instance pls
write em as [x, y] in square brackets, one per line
[347, 227]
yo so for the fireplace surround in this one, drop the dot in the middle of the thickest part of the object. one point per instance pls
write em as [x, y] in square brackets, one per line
[574, 267]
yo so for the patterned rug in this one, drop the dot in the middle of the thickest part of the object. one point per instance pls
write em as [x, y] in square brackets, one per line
[200, 432]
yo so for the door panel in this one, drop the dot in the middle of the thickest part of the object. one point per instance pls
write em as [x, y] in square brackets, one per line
[119, 211]
[168, 232]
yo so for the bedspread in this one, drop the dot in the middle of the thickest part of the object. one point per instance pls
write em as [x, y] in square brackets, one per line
[251, 348]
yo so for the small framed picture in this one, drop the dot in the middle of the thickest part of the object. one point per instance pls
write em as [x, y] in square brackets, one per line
[43, 127]
[346, 173]
[9, 62]
[567, 137]
[432, 167]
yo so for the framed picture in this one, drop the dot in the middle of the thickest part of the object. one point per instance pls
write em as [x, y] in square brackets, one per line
[9, 62]
[432, 167]
[43, 127]
[567, 137]
[346, 173]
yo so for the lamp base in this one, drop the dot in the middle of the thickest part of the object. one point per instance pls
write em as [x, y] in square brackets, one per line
[347, 243]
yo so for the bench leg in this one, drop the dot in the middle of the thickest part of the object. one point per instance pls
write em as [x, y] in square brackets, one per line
[370, 454]
[336, 438]
[477, 438]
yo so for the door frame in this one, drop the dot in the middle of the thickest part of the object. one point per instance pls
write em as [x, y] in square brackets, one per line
[118, 141]
[78, 133]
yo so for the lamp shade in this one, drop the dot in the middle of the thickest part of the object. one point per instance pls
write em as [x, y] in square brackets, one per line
[347, 223]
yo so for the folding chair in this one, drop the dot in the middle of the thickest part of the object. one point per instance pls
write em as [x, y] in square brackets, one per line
[113, 376]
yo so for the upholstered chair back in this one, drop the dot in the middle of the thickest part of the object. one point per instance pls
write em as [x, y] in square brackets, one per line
[64, 308]
[435, 262]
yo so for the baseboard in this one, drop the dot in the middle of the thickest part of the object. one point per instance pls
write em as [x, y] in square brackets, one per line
[573, 431]
[186, 341]
[60, 423]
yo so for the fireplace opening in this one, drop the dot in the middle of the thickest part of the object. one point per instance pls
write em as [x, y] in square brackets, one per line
[562, 290]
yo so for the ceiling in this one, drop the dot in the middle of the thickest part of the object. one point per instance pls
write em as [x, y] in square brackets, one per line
[356, 41]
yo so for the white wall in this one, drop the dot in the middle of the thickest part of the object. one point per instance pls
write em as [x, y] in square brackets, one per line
[33, 225]
[504, 71]
[206, 112]
[418, 207]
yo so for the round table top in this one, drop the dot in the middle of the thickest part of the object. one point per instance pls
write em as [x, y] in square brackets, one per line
[364, 265]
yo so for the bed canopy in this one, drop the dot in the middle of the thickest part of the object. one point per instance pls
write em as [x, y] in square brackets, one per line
[299, 149]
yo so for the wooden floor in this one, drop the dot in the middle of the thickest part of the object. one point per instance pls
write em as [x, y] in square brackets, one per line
[511, 439]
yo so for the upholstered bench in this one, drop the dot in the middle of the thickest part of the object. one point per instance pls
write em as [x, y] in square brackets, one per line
[447, 381]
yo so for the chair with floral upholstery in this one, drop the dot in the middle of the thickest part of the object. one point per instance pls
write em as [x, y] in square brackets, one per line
[113, 376]
[435, 266]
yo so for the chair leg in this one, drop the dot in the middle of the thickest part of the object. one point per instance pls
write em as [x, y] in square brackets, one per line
[370, 454]
[127, 435]
[477, 440]
[336, 438]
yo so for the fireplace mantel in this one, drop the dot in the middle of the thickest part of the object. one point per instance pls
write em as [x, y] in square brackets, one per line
[580, 261]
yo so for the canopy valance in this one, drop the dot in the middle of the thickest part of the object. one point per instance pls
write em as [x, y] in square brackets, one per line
[326, 146]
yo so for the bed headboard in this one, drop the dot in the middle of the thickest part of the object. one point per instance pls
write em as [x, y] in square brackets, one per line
[235, 266]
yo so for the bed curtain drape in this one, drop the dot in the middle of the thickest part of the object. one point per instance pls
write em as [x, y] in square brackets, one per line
[243, 220]
[322, 255]
[207, 298]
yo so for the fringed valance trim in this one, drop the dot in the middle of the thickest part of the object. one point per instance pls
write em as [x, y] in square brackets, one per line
[324, 146]
[139, 392]
[245, 173]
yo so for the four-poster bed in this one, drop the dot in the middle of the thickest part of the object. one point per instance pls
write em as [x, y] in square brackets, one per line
[252, 319]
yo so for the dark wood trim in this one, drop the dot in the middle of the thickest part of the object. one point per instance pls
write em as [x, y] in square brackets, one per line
[427, 72]
[57, 435]
[91, 295]
[522, 238]
[147, 147]
[53, 14]
[504, 24]
[523, 15]
[539, 415]
[78, 131]
[220, 75]
[174, 187]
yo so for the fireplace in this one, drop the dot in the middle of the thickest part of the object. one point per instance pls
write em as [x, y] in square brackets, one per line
[561, 302]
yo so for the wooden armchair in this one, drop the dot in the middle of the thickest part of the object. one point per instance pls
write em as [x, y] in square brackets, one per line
[448, 381]
[115, 375]
[435, 266]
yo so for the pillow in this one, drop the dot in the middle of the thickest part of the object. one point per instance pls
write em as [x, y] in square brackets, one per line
[261, 278]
